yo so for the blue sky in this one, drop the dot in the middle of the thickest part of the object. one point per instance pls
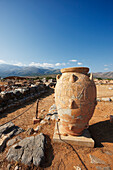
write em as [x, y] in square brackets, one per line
[57, 33]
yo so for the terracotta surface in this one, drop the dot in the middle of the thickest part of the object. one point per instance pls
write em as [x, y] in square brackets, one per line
[75, 97]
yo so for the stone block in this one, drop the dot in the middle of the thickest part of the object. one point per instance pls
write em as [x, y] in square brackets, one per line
[36, 120]
[107, 99]
[83, 140]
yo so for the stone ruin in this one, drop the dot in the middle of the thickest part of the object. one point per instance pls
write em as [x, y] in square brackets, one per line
[16, 92]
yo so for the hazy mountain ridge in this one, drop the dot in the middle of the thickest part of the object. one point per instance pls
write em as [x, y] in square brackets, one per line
[12, 70]
[103, 75]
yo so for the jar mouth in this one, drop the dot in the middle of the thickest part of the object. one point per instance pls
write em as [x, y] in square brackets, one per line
[83, 70]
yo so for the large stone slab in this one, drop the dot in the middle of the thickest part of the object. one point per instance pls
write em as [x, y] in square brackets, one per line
[29, 150]
[83, 140]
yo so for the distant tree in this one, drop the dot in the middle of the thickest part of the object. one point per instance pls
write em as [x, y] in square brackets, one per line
[99, 78]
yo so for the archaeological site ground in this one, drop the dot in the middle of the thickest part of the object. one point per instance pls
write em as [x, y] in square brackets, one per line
[25, 145]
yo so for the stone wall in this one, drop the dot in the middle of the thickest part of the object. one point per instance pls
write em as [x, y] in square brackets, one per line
[18, 96]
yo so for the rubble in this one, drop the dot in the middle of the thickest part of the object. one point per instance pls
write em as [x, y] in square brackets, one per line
[7, 131]
[18, 96]
[30, 131]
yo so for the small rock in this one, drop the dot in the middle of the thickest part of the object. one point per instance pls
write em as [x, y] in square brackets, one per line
[18, 138]
[43, 122]
[37, 128]
[95, 160]
[77, 167]
[43, 110]
[30, 131]
[98, 99]
[41, 116]
[103, 168]
[54, 117]
[99, 168]
[107, 152]
[8, 166]
[52, 108]
[47, 118]
[107, 168]
[106, 116]
[16, 168]
[110, 88]
[107, 99]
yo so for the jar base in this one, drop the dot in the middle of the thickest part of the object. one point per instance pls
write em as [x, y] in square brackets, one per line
[62, 131]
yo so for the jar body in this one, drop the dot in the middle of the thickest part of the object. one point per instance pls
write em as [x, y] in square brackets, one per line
[75, 98]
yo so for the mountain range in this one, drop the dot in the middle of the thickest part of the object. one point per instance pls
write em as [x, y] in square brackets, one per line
[12, 70]
[104, 75]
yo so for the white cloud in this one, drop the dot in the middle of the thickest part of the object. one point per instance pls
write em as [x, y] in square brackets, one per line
[105, 65]
[33, 64]
[60, 64]
[2, 62]
[79, 63]
[73, 60]
[19, 64]
[41, 65]
[12, 63]
[46, 64]
[106, 69]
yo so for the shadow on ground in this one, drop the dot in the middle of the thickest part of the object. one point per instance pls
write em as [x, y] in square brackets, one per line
[102, 132]
[48, 153]
[6, 112]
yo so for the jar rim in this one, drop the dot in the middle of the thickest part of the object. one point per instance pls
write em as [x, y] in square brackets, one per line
[84, 70]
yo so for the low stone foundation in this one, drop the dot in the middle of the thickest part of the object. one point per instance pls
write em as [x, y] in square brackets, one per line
[19, 96]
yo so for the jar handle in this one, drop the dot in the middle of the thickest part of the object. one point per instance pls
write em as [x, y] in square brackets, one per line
[58, 76]
[91, 77]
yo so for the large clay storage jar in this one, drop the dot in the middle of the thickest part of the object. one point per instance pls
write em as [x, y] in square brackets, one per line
[75, 98]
